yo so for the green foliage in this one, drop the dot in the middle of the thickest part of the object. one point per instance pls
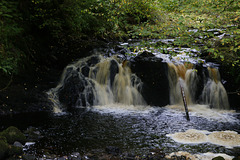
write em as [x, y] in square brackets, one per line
[94, 17]
[10, 31]
[46, 15]
[203, 6]
[139, 19]
[85, 17]
[22, 21]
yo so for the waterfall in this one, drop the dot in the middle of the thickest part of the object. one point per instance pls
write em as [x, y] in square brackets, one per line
[213, 93]
[96, 80]
[185, 76]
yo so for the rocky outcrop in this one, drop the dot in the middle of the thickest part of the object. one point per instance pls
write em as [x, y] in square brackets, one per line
[153, 73]
[232, 85]
[72, 92]
[113, 70]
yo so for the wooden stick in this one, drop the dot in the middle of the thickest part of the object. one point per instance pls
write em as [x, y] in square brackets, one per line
[184, 102]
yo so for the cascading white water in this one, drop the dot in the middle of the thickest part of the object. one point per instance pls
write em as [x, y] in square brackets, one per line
[107, 82]
[184, 76]
[213, 94]
[123, 89]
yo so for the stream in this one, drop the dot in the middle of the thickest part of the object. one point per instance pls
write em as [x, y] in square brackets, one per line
[95, 113]
[134, 130]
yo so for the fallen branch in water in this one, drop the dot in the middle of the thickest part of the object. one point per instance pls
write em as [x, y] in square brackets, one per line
[184, 102]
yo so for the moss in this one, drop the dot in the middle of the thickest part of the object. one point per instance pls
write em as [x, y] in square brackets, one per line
[13, 134]
[3, 147]
[2, 138]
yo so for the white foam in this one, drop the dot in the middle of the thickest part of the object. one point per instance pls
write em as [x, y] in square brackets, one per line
[117, 108]
[206, 112]
[202, 156]
[228, 139]
[190, 136]
[27, 145]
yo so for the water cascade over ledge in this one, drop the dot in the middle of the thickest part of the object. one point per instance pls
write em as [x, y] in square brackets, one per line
[97, 80]
[212, 93]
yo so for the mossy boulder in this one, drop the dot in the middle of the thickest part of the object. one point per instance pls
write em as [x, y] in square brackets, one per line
[2, 138]
[13, 134]
[3, 147]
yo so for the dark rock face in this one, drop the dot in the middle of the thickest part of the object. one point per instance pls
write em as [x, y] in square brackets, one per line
[72, 92]
[85, 71]
[153, 73]
[232, 86]
[201, 81]
[93, 60]
[113, 150]
[113, 70]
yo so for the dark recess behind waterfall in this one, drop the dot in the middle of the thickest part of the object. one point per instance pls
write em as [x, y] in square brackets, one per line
[153, 73]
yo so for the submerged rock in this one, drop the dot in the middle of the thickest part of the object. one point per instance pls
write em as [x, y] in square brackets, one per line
[28, 157]
[74, 156]
[17, 144]
[113, 150]
[33, 134]
[218, 158]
